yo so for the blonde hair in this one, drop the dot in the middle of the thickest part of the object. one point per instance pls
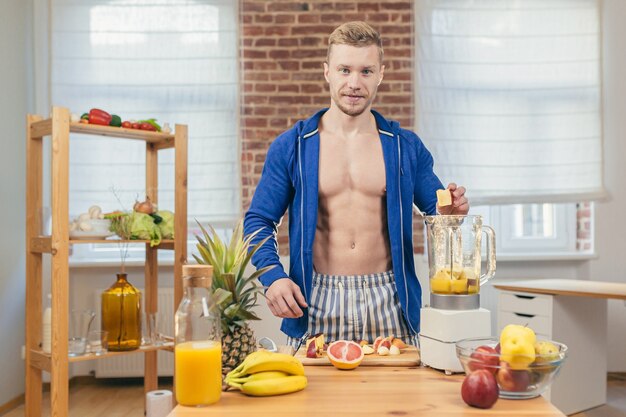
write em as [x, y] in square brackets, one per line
[357, 33]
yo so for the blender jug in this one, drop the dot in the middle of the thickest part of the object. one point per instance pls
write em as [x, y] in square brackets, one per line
[454, 260]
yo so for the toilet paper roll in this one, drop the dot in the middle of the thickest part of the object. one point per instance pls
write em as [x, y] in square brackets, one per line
[158, 403]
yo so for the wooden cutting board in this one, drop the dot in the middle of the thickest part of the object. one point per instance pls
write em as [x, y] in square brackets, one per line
[408, 357]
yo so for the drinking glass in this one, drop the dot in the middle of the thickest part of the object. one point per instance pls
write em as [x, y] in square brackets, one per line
[151, 330]
[98, 341]
[80, 321]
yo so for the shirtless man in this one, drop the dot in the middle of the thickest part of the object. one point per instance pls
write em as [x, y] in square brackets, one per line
[349, 178]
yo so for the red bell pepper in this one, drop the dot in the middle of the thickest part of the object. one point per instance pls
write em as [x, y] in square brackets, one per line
[99, 117]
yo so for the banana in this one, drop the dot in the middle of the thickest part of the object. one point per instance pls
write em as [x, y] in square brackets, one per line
[276, 386]
[237, 372]
[273, 362]
[257, 377]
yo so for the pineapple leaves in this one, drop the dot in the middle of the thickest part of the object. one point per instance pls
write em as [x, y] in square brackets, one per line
[221, 296]
[235, 294]
[230, 285]
[248, 315]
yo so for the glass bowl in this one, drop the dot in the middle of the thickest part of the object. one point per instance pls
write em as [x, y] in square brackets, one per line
[523, 382]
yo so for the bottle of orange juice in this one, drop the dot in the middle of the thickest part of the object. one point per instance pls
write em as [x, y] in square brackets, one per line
[198, 351]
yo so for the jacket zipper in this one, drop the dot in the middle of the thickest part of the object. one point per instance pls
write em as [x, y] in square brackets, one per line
[406, 290]
[302, 217]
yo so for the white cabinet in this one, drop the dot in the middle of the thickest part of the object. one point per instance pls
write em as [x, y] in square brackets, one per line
[578, 322]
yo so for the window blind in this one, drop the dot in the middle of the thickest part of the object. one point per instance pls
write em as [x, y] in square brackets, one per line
[508, 97]
[175, 61]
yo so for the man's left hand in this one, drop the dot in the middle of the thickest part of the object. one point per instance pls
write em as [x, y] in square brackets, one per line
[460, 204]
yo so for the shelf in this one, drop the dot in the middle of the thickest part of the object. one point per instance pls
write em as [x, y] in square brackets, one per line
[161, 140]
[43, 244]
[43, 360]
[60, 131]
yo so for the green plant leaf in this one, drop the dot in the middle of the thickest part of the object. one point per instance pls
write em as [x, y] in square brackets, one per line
[230, 285]
[254, 249]
[222, 296]
[231, 311]
[255, 275]
[247, 315]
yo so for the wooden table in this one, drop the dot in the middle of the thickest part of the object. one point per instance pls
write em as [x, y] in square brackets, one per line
[577, 316]
[370, 391]
[571, 287]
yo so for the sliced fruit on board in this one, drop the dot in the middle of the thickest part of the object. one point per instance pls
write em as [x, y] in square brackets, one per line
[345, 354]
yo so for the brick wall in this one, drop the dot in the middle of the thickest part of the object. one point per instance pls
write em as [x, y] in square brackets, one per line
[584, 231]
[283, 46]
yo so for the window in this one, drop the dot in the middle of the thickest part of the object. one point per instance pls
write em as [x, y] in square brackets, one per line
[508, 102]
[535, 230]
[175, 61]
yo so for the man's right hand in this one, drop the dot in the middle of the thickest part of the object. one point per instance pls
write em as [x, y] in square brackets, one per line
[284, 299]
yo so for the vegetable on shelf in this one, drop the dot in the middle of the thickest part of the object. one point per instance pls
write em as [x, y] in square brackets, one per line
[144, 206]
[99, 117]
[115, 121]
[149, 124]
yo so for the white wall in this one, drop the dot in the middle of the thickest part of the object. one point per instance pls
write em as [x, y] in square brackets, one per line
[610, 224]
[13, 108]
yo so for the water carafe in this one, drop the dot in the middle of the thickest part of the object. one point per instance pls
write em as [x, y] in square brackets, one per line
[198, 351]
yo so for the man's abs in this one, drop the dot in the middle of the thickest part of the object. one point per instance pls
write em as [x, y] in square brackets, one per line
[352, 241]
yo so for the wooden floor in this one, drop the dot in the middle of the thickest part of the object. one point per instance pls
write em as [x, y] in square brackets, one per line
[90, 397]
[124, 398]
[615, 399]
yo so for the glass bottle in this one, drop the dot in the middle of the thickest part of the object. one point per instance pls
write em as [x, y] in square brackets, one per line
[198, 351]
[121, 315]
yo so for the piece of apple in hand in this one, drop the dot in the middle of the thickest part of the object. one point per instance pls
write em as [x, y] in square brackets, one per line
[315, 346]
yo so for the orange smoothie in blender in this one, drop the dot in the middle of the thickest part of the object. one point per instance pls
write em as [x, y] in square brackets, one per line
[198, 372]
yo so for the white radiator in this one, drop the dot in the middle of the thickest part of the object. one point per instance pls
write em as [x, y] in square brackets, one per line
[131, 365]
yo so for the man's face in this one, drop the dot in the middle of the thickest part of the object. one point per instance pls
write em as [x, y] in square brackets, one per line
[353, 75]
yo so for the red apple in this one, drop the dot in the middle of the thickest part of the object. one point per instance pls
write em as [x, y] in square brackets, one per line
[480, 389]
[498, 348]
[511, 379]
[315, 346]
[311, 350]
[484, 357]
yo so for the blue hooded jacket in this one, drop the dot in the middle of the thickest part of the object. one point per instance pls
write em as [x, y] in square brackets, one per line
[290, 181]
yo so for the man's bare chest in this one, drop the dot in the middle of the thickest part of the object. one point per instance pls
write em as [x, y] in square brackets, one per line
[351, 166]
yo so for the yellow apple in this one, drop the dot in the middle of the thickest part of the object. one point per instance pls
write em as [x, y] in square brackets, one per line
[525, 333]
[546, 351]
[517, 352]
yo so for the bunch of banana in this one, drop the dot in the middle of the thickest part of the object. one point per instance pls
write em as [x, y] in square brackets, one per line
[265, 373]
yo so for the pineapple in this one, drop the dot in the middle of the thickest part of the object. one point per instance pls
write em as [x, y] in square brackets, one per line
[234, 293]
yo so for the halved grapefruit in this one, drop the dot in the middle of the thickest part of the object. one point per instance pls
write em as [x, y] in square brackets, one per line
[345, 354]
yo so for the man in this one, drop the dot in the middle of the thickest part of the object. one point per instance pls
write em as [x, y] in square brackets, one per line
[349, 178]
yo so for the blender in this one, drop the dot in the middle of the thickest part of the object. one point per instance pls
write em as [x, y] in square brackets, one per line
[454, 313]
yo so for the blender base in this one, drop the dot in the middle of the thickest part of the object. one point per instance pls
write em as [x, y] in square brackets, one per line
[441, 329]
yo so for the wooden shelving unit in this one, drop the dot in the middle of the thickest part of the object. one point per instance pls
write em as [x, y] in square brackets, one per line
[59, 128]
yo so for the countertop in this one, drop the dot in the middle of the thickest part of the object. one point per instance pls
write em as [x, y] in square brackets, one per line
[571, 287]
[370, 391]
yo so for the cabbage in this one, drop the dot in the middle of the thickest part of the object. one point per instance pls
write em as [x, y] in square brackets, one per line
[142, 227]
[167, 224]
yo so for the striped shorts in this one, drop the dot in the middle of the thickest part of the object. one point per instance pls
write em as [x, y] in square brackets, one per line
[356, 307]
